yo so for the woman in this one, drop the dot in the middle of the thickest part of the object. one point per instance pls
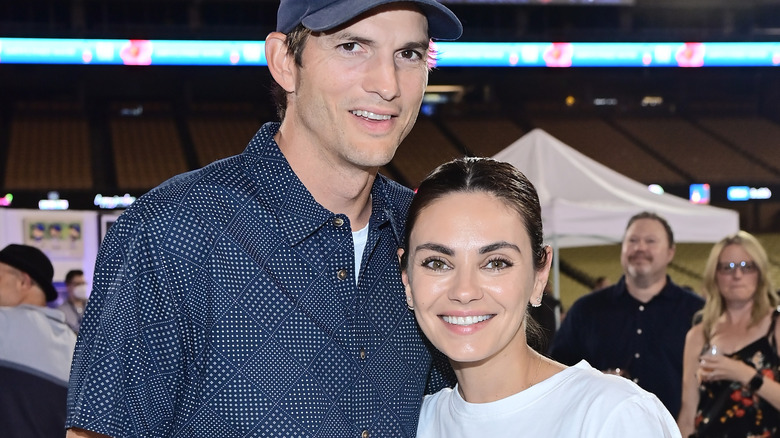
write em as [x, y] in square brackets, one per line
[733, 393]
[473, 261]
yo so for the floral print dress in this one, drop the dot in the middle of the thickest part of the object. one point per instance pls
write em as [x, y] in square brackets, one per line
[729, 410]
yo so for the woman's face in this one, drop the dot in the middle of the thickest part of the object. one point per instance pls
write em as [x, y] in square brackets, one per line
[737, 282]
[470, 274]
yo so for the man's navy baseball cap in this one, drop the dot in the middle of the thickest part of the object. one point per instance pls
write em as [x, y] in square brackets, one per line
[321, 15]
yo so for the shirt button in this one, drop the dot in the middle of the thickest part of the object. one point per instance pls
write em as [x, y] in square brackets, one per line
[362, 353]
[365, 434]
[639, 331]
[338, 221]
[641, 308]
[342, 274]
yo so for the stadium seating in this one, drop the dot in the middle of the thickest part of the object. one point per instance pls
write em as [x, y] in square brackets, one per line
[147, 148]
[48, 146]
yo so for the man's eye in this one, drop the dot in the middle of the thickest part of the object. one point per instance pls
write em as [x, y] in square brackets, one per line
[349, 47]
[411, 54]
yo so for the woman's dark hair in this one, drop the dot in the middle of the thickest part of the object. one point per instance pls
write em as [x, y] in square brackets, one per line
[485, 175]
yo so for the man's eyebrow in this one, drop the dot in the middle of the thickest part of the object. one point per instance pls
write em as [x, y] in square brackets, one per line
[351, 36]
[436, 248]
[422, 45]
[418, 45]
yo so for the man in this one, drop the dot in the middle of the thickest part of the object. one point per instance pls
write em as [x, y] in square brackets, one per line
[636, 327]
[261, 295]
[73, 307]
[35, 347]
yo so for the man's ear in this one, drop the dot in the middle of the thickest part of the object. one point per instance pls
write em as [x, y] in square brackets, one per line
[27, 280]
[281, 64]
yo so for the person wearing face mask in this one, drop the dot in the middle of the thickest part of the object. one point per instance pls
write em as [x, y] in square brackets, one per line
[74, 305]
[636, 327]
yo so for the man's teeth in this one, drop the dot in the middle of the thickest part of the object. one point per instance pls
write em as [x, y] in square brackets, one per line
[370, 115]
[465, 320]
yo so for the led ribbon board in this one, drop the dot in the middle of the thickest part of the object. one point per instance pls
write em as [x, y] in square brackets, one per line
[449, 54]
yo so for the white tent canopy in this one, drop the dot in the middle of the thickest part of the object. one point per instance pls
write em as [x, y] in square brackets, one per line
[585, 203]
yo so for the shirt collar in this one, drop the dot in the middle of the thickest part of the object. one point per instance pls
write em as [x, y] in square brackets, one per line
[666, 292]
[298, 214]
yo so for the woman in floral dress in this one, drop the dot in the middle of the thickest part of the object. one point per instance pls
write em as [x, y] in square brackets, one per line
[731, 364]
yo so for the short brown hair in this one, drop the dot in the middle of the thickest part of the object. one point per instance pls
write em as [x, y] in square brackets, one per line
[655, 217]
[295, 41]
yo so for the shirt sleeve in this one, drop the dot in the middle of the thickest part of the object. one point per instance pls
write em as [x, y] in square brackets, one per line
[640, 416]
[441, 374]
[127, 363]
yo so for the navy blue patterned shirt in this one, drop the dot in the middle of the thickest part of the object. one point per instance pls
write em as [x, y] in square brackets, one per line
[225, 305]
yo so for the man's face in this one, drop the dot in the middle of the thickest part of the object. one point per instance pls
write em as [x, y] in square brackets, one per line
[645, 252]
[10, 286]
[359, 90]
[77, 280]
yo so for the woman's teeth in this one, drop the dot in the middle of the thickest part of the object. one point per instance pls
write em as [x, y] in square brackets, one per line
[465, 320]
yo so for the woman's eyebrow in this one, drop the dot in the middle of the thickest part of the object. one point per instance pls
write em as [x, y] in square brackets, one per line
[436, 248]
[498, 245]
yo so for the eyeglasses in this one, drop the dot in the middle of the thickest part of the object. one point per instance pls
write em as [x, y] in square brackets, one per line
[743, 266]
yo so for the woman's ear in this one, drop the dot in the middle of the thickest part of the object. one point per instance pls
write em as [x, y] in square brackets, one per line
[542, 276]
[404, 276]
[281, 64]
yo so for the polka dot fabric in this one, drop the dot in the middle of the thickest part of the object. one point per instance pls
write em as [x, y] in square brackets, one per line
[225, 305]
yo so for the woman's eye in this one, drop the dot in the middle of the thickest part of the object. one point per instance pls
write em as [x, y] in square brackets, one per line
[498, 264]
[435, 264]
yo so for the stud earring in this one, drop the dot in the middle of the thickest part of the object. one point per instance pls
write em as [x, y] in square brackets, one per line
[409, 303]
[538, 302]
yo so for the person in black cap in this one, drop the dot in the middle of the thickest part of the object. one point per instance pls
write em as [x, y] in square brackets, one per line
[261, 295]
[35, 347]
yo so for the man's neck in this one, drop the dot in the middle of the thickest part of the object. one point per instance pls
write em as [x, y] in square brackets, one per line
[343, 189]
[34, 297]
[643, 290]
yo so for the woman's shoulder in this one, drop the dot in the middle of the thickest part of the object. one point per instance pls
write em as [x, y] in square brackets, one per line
[603, 388]
[431, 401]
[614, 405]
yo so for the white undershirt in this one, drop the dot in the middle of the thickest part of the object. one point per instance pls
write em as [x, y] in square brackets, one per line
[359, 238]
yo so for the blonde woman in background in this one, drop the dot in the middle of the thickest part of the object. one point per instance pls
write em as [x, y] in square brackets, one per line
[731, 364]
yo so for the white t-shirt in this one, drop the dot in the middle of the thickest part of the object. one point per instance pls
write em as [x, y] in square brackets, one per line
[577, 402]
[359, 239]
